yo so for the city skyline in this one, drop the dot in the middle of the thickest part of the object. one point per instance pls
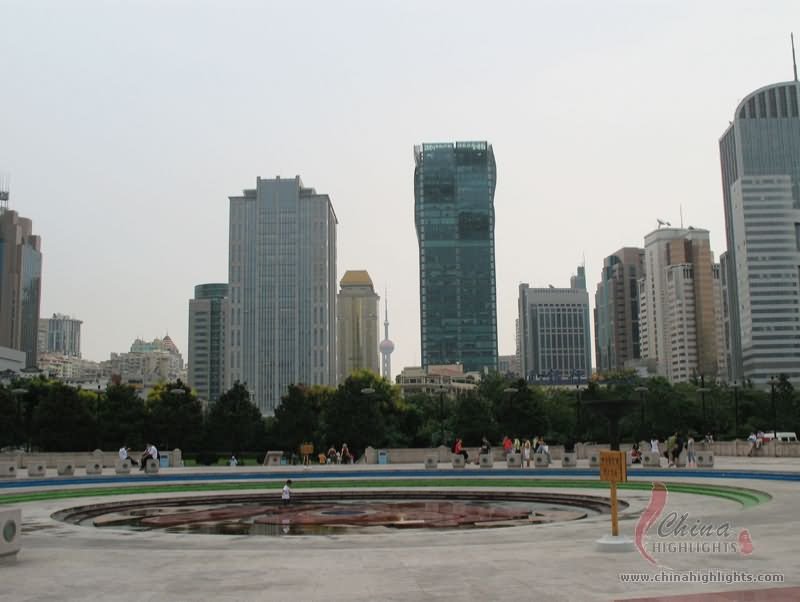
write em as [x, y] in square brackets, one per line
[133, 155]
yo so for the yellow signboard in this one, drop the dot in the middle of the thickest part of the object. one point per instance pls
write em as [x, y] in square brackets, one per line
[613, 467]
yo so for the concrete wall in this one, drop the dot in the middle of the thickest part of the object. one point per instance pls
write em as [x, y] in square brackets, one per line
[79, 459]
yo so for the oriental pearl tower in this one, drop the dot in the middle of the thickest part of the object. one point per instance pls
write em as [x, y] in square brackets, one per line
[386, 346]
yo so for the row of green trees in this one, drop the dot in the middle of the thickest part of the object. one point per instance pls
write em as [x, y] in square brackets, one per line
[367, 410]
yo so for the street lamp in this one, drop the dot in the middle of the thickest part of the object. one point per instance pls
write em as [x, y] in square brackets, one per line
[702, 390]
[642, 391]
[772, 382]
[578, 416]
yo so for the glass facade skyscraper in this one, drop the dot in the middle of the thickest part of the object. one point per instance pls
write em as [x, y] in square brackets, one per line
[208, 313]
[454, 188]
[760, 160]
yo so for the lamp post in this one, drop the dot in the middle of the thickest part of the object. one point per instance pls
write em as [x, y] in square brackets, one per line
[642, 391]
[772, 382]
[702, 390]
[578, 416]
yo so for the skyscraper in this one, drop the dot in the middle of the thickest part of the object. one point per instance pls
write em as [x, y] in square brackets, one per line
[357, 325]
[208, 313]
[61, 334]
[555, 344]
[616, 310]
[760, 160]
[20, 283]
[282, 277]
[454, 188]
[678, 320]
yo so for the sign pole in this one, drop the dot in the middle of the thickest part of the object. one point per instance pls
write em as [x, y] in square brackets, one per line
[614, 469]
[614, 516]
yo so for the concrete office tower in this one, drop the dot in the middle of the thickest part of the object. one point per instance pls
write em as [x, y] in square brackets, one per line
[208, 315]
[20, 283]
[357, 325]
[454, 188]
[760, 159]
[387, 345]
[677, 318]
[616, 313]
[282, 278]
[60, 334]
[578, 280]
[555, 344]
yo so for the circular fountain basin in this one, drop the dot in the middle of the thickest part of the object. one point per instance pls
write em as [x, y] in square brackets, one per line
[326, 513]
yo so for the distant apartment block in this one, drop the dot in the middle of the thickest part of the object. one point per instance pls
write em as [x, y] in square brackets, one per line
[61, 335]
[508, 365]
[678, 310]
[616, 313]
[208, 314]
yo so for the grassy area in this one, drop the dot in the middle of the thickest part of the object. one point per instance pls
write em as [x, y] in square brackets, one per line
[745, 497]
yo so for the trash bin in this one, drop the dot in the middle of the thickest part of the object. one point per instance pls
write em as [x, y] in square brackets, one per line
[163, 461]
[383, 456]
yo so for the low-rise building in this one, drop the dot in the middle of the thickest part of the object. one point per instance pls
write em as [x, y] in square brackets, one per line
[449, 378]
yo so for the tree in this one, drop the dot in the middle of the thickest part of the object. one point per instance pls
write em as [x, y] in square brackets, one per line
[297, 417]
[10, 431]
[176, 416]
[62, 420]
[360, 411]
[474, 418]
[234, 422]
[121, 418]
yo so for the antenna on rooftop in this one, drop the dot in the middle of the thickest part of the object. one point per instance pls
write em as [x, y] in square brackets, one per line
[681, 210]
[3, 193]
[794, 59]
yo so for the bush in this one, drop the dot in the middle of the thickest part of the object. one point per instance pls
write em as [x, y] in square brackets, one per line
[207, 458]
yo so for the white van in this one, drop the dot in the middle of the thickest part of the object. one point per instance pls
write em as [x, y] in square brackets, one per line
[786, 436]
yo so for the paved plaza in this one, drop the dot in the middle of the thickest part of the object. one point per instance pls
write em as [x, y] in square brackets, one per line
[558, 561]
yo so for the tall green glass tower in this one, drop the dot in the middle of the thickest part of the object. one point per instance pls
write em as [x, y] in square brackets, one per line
[454, 214]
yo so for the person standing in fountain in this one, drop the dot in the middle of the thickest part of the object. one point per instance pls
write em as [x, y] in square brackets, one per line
[286, 494]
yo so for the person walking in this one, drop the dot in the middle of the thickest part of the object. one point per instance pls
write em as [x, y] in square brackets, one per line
[286, 494]
[526, 453]
[691, 459]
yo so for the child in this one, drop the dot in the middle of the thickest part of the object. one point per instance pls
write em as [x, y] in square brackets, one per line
[286, 496]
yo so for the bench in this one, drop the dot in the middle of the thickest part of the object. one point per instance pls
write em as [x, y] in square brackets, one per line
[569, 460]
[94, 467]
[541, 461]
[485, 460]
[151, 466]
[458, 461]
[65, 469]
[123, 467]
[37, 469]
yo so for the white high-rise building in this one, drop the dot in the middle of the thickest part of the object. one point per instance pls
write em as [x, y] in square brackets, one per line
[357, 327]
[760, 161]
[282, 290]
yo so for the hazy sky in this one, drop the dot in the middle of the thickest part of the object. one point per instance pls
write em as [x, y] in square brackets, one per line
[125, 126]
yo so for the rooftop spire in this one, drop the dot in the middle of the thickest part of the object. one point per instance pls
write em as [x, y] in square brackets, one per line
[794, 59]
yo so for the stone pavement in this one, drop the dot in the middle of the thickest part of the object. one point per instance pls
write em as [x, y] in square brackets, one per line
[540, 562]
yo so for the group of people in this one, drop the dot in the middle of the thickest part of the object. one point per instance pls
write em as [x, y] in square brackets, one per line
[672, 448]
[150, 451]
[342, 456]
[526, 448]
[756, 441]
